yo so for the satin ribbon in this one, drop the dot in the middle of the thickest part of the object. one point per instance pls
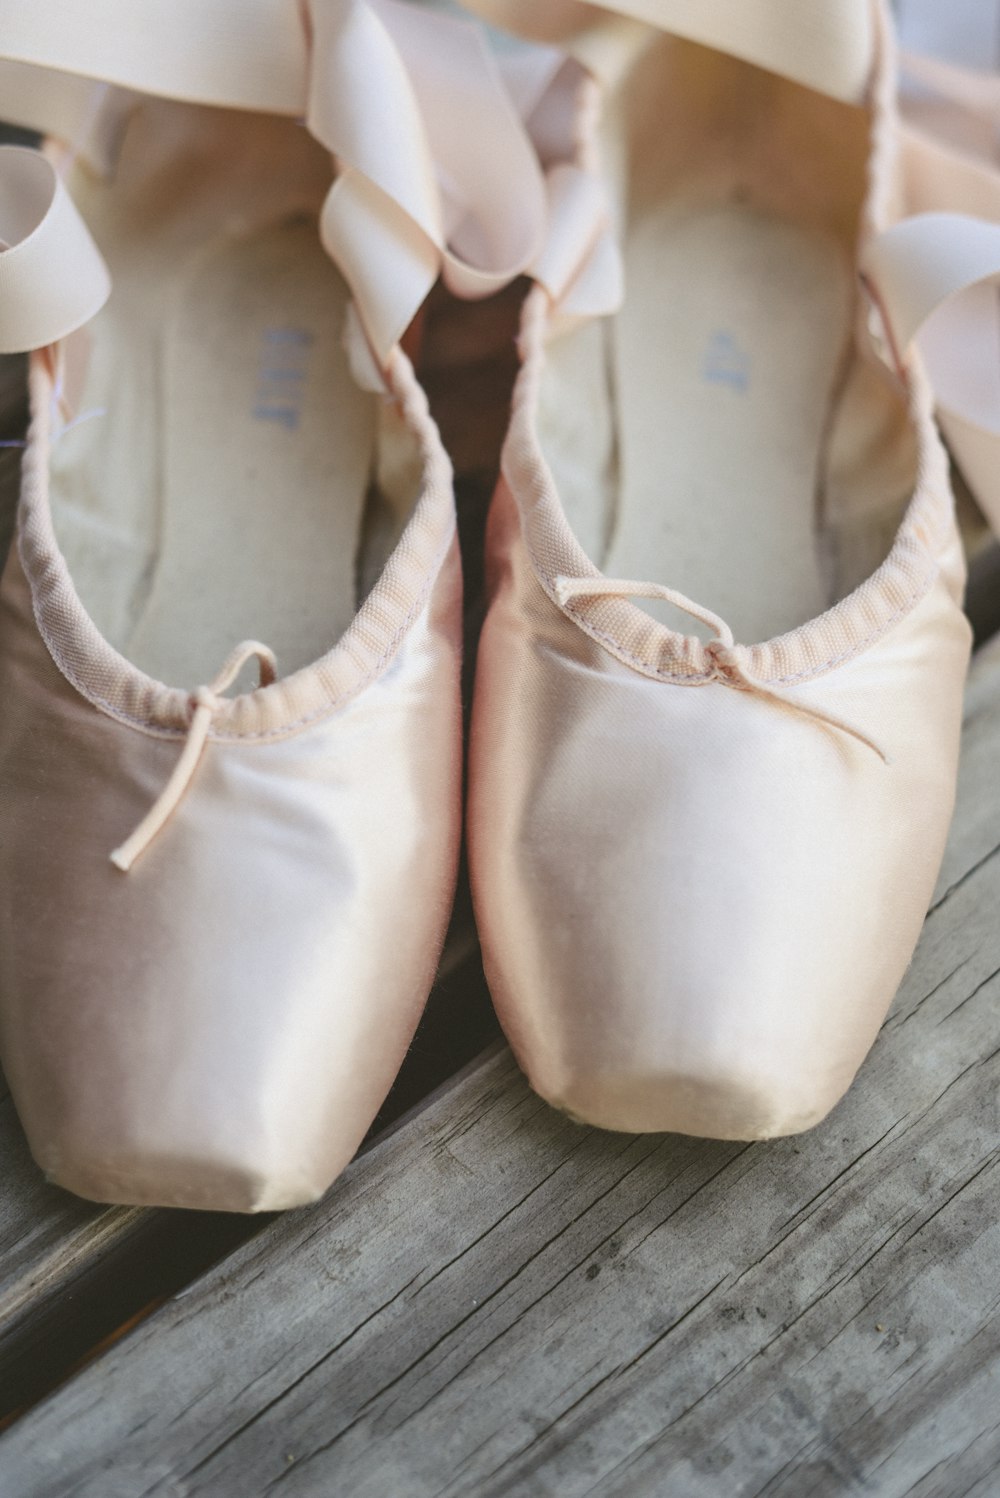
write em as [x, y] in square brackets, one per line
[935, 278]
[438, 173]
[52, 276]
[828, 45]
[441, 177]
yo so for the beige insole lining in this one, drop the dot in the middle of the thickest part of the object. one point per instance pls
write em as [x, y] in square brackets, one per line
[724, 434]
[727, 356]
[215, 486]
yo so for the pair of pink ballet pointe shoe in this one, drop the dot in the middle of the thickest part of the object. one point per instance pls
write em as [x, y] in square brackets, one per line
[706, 810]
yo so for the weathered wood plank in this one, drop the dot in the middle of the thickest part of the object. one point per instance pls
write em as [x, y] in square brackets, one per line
[45, 1235]
[497, 1302]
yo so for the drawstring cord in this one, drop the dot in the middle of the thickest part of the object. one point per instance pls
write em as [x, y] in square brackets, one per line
[721, 651]
[205, 704]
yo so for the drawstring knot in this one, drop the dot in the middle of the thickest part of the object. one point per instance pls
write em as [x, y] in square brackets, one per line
[205, 697]
[722, 653]
[205, 703]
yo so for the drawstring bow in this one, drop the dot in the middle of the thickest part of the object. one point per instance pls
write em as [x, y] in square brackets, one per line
[205, 703]
[722, 652]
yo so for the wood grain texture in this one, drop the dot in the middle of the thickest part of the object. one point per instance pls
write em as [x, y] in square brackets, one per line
[496, 1302]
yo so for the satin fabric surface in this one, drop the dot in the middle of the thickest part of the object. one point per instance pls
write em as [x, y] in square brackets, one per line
[695, 906]
[219, 1027]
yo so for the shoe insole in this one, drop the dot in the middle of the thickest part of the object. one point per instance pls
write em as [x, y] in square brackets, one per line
[727, 355]
[214, 488]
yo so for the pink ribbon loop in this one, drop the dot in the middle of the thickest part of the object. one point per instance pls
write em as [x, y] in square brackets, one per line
[52, 276]
[726, 659]
[438, 172]
[206, 703]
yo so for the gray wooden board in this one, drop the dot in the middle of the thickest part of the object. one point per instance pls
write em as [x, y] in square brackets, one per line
[495, 1301]
[45, 1234]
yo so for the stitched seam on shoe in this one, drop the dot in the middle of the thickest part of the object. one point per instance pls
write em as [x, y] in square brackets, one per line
[704, 677]
[694, 679]
[918, 593]
[284, 730]
[376, 670]
[412, 394]
[860, 646]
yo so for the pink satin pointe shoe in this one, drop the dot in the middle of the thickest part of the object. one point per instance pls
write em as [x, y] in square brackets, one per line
[221, 914]
[707, 812]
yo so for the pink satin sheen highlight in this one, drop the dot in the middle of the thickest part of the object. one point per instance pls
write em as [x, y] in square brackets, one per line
[695, 909]
[219, 1028]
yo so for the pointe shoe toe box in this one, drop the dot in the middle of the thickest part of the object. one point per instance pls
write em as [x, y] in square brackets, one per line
[697, 905]
[218, 1027]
